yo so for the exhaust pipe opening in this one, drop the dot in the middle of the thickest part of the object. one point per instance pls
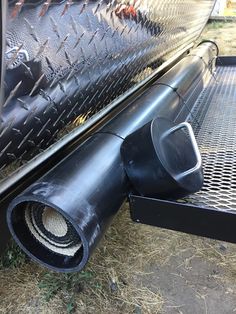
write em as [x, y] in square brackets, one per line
[48, 235]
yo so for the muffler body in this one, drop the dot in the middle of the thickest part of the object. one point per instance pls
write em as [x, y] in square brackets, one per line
[88, 187]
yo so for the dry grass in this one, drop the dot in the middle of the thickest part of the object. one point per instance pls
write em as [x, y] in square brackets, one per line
[113, 280]
[110, 283]
[224, 34]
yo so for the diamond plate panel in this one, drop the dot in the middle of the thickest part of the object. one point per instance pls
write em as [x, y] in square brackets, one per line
[66, 60]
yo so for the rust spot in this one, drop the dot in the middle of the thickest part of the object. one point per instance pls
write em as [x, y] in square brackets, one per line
[126, 11]
[67, 6]
[17, 8]
[45, 7]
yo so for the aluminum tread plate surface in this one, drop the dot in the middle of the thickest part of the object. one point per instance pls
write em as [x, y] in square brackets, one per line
[67, 60]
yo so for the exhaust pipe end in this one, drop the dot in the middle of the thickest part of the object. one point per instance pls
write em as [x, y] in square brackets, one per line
[47, 234]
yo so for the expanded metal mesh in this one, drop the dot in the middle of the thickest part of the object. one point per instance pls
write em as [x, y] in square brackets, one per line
[215, 129]
[66, 60]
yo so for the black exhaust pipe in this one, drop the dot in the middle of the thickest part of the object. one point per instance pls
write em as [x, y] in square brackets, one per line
[59, 220]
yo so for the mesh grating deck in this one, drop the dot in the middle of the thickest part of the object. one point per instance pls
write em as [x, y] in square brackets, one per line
[215, 129]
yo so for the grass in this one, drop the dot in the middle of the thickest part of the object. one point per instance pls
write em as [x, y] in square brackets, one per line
[109, 284]
[13, 257]
[114, 280]
[223, 33]
[214, 25]
[69, 285]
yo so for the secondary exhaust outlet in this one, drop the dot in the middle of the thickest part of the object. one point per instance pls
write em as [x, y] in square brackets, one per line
[59, 220]
[168, 163]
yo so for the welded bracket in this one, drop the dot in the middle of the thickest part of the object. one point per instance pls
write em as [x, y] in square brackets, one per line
[207, 222]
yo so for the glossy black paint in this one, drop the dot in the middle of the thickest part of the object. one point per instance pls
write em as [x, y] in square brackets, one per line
[79, 188]
[226, 61]
[90, 185]
[32, 171]
[206, 222]
[156, 161]
[172, 96]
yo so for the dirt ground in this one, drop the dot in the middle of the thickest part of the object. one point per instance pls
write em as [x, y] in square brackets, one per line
[137, 269]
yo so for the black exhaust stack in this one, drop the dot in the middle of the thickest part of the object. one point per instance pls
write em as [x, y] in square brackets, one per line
[59, 220]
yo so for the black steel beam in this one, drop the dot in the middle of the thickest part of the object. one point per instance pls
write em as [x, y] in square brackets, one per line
[226, 61]
[212, 223]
